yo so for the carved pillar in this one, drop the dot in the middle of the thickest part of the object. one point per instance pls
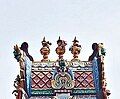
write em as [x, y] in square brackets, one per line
[19, 82]
[102, 53]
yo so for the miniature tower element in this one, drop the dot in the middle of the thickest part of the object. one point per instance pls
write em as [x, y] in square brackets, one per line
[45, 50]
[60, 50]
[75, 49]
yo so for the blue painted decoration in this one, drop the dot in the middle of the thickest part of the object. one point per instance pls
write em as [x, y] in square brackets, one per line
[28, 65]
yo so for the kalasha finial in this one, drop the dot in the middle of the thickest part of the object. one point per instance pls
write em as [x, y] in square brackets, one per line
[60, 50]
[75, 49]
[45, 50]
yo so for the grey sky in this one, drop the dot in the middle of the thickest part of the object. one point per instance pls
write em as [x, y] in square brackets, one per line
[31, 20]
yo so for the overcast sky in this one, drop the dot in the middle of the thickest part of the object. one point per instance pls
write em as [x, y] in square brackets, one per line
[30, 20]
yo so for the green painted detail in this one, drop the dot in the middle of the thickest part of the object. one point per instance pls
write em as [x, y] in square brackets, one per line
[83, 91]
[42, 92]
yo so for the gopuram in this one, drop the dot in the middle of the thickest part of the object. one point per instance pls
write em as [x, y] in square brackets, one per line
[60, 79]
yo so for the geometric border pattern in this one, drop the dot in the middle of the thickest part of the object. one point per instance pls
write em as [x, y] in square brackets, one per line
[41, 80]
[84, 80]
